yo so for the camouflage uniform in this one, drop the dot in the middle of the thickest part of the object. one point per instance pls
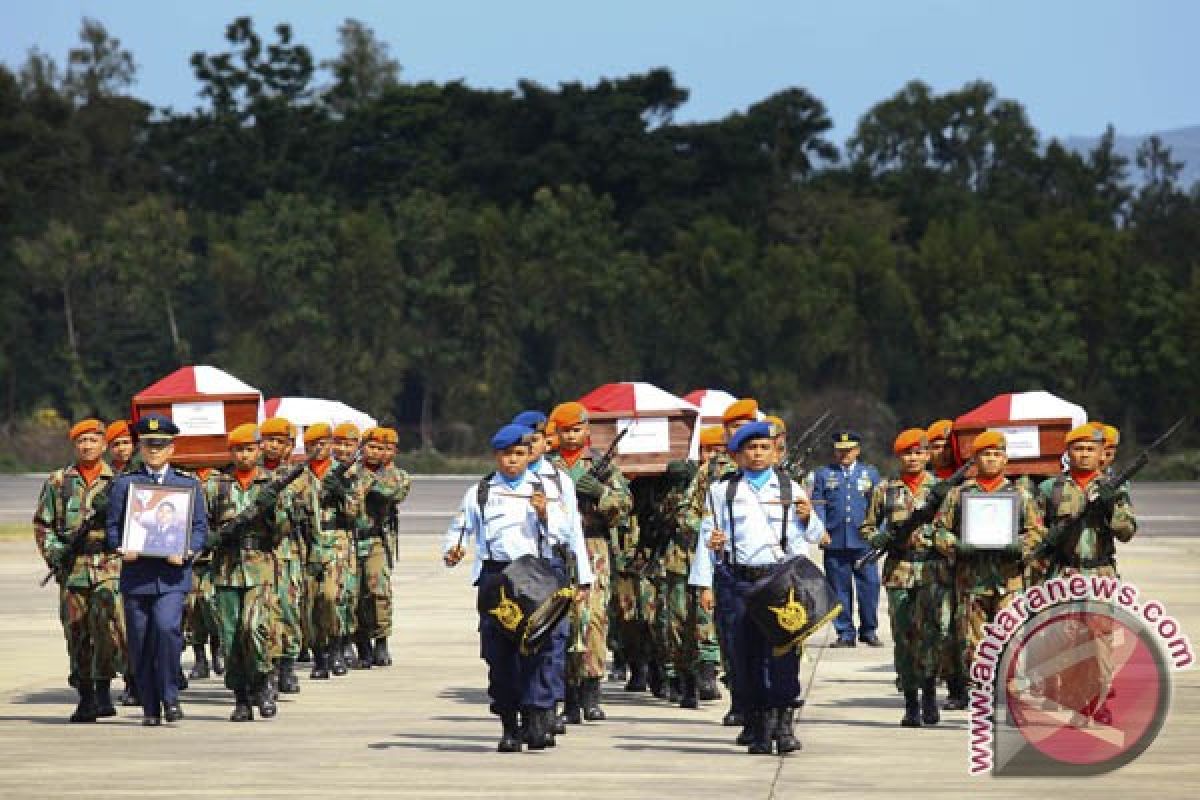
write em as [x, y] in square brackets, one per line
[91, 614]
[287, 606]
[917, 579]
[633, 597]
[589, 622]
[379, 492]
[201, 625]
[244, 574]
[986, 580]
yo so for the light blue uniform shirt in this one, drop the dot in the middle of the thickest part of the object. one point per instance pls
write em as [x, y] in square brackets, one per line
[508, 527]
[755, 528]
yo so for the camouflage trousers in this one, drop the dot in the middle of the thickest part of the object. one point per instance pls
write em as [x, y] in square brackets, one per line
[94, 626]
[347, 604]
[200, 607]
[921, 620]
[632, 614]
[975, 610]
[675, 624]
[323, 587]
[287, 608]
[588, 648]
[245, 617]
[375, 589]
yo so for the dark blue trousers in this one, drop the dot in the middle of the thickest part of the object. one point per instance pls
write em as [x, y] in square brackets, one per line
[154, 630]
[761, 680]
[516, 680]
[846, 581]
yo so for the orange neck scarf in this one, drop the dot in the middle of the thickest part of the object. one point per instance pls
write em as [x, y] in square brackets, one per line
[89, 472]
[319, 468]
[570, 456]
[244, 477]
[1083, 477]
[913, 482]
[990, 484]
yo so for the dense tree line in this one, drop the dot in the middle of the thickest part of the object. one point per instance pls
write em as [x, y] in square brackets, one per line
[440, 254]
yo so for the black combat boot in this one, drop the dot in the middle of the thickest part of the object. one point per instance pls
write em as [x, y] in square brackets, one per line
[659, 681]
[104, 703]
[572, 711]
[218, 656]
[535, 736]
[590, 700]
[264, 698]
[956, 694]
[618, 672]
[912, 710]
[558, 721]
[320, 670]
[365, 658]
[129, 698]
[547, 726]
[304, 656]
[86, 710]
[510, 739]
[929, 704]
[762, 726]
[200, 667]
[746, 734]
[733, 718]
[785, 731]
[288, 682]
[181, 679]
[349, 654]
[381, 656]
[687, 691]
[674, 688]
[637, 677]
[242, 710]
[706, 682]
[337, 663]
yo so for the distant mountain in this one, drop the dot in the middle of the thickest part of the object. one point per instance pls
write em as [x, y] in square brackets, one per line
[1184, 144]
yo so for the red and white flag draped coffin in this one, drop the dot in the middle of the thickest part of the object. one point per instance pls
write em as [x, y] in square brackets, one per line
[663, 427]
[1034, 423]
[205, 403]
[305, 411]
[712, 404]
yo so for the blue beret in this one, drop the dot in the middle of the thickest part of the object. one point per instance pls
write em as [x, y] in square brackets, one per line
[534, 420]
[155, 426]
[846, 439]
[510, 435]
[753, 430]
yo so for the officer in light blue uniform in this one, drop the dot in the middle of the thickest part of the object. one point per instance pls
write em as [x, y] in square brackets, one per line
[748, 530]
[841, 492]
[559, 487]
[510, 525]
[153, 589]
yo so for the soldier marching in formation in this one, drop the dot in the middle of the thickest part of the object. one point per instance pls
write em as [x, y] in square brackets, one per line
[297, 558]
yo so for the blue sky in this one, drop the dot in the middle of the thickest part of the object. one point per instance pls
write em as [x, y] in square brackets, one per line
[1076, 66]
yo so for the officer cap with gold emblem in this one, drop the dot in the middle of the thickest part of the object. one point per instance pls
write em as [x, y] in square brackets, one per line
[155, 428]
[844, 440]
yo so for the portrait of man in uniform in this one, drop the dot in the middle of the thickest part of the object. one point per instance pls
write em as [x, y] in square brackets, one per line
[157, 520]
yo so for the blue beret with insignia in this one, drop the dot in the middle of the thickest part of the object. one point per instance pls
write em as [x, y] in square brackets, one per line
[511, 435]
[534, 420]
[753, 430]
[155, 426]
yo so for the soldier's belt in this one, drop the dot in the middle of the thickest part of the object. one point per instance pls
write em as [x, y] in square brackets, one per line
[1090, 563]
[91, 548]
[917, 557]
[371, 534]
[253, 543]
[600, 535]
[751, 573]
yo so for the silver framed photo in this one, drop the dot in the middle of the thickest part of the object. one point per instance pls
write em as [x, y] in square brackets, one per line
[158, 520]
[990, 520]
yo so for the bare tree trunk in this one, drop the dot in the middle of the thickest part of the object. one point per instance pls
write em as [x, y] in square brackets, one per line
[72, 341]
[171, 325]
[426, 413]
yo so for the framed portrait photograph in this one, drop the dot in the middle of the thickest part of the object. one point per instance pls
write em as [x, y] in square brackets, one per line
[990, 521]
[158, 520]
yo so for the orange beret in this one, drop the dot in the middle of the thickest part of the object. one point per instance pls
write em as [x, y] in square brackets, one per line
[116, 430]
[989, 439]
[907, 440]
[746, 408]
[347, 430]
[85, 426]
[277, 426]
[381, 435]
[711, 435]
[939, 430]
[1091, 432]
[566, 415]
[320, 430]
[777, 423]
[246, 433]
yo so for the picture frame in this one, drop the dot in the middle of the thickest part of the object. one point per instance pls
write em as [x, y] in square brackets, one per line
[158, 520]
[990, 521]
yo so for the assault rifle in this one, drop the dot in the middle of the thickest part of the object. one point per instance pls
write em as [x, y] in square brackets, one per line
[252, 512]
[75, 542]
[796, 459]
[922, 515]
[1101, 501]
[602, 466]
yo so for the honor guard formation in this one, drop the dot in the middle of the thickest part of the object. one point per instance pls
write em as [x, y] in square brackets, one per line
[696, 584]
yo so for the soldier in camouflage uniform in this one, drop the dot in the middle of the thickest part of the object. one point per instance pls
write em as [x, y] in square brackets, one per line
[380, 486]
[692, 510]
[915, 575]
[322, 504]
[985, 580]
[346, 439]
[120, 453]
[942, 465]
[200, 609]
[604, 504]
[632, 607]
[88, 580]
[1085, 516]
[246, 525]
[287, 607]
